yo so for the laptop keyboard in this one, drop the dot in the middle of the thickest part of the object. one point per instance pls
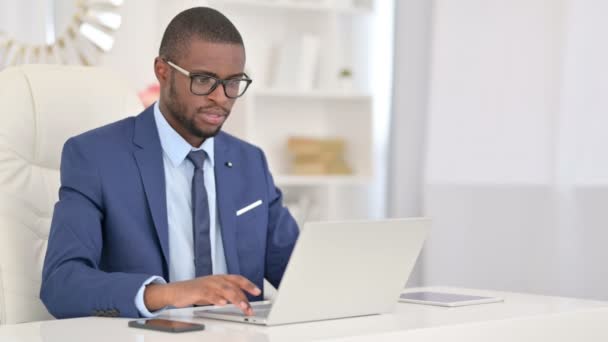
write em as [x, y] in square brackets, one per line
[258, 310]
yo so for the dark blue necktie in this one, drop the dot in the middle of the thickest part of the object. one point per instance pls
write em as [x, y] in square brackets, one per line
[200, 216]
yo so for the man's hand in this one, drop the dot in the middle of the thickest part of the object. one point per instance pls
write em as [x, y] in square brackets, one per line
[215, 289]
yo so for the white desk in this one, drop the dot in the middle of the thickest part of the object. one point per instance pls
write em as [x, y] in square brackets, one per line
[521, 317]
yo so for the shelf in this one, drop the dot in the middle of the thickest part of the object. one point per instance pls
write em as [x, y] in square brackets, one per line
[319, 5]
[297, 180]
[279, 105]
[313, 94]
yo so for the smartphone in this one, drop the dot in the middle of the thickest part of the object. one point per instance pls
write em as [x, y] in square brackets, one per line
[166, 325]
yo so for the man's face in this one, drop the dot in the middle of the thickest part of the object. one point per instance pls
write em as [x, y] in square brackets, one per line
[197, 117]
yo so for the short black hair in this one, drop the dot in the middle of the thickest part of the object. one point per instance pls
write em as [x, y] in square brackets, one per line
[203, 23]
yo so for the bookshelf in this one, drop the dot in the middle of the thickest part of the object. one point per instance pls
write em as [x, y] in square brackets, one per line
[346, 95]
[273, 111]
[296, 180]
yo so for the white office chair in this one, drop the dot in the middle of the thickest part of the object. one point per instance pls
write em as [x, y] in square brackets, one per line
[41, 106]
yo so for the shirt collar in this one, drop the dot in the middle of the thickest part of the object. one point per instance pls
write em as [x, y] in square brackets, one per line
[176, 147]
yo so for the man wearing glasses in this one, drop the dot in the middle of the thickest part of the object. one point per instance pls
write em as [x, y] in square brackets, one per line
[163, 209]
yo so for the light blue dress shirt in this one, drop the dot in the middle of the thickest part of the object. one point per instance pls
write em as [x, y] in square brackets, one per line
[178, 182]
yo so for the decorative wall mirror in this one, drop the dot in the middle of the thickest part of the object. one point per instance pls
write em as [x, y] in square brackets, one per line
[57, 31]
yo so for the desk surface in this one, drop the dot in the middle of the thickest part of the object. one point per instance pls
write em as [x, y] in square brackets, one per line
[521, 317]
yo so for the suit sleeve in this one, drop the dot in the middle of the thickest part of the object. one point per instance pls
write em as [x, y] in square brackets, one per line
[282, 231]
[72, 283]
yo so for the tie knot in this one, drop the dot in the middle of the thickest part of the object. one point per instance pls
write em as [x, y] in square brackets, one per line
[197, 158]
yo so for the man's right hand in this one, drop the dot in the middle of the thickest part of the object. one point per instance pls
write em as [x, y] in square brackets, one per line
[209, 290]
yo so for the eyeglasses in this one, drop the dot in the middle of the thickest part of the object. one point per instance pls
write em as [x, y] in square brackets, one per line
[203, 84]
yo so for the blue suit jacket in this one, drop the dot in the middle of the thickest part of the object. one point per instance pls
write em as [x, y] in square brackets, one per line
[109, 231]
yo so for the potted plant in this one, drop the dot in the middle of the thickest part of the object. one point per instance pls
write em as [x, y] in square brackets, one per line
[345, 79]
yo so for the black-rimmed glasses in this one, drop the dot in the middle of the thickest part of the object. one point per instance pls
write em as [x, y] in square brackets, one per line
[202, 84]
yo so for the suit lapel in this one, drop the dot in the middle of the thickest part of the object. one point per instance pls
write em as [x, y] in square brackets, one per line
[225, 179]
[149, 160]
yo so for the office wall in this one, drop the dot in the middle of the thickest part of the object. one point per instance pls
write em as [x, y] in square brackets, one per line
[516, 171]
[137, 42]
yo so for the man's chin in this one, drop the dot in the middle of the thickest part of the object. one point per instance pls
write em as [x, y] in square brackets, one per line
[208, 133]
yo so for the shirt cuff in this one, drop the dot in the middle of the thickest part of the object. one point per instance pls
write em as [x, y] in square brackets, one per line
[139, 297]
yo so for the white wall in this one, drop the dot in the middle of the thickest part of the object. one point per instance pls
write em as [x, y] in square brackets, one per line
[137, 42]
[516, 169]
[495, 65]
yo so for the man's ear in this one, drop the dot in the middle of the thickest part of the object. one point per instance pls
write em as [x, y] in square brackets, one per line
[161, 70]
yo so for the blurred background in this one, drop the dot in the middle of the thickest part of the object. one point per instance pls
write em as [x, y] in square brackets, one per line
[486, 115]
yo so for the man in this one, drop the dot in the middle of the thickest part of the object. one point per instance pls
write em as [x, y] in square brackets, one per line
[163, 209]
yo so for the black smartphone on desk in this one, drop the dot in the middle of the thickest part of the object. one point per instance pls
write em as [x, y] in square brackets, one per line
[166, 325]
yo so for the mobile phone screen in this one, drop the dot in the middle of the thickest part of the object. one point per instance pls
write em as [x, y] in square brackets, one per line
[166, 325]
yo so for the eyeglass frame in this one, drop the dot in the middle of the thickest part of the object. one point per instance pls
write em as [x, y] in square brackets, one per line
[218, 81]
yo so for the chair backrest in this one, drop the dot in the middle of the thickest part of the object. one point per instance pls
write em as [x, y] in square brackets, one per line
[41, 106]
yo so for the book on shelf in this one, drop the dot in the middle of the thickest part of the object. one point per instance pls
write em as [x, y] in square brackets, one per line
[313, 156]
[298, 63]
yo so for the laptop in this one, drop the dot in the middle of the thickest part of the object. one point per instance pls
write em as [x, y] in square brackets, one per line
[338, 270]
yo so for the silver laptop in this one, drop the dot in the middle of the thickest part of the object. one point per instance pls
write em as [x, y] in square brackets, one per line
[339, 269]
